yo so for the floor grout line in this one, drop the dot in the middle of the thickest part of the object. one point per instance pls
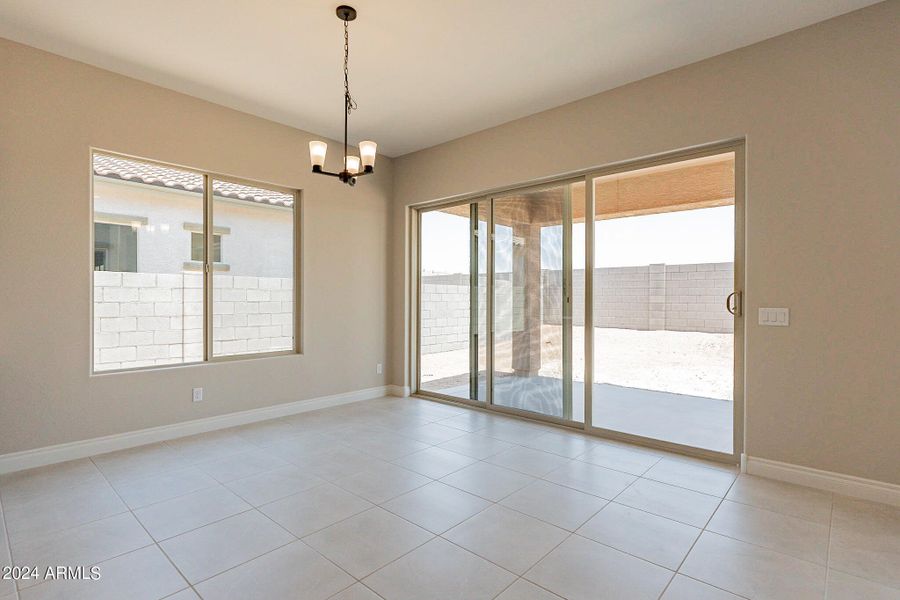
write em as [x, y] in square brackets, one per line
[155, 542]
[828, 546]
[696, 539]
[8, 544]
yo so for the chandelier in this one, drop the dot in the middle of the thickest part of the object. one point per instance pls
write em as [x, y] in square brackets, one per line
[317, 149]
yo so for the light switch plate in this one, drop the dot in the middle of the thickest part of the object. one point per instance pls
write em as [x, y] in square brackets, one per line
[774, 317]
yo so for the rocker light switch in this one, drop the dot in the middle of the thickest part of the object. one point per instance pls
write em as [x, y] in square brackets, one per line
[774, 317]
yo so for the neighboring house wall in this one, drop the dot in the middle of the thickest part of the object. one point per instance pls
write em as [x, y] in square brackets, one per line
[259, 242]
[670, 297]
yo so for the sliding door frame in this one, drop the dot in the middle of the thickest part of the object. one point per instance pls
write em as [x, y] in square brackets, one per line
[473, 301]
[587, 176]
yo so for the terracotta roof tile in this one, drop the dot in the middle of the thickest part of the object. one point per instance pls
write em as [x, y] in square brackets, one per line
[115, 167]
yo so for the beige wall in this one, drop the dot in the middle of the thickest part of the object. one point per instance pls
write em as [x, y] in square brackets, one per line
[51, 111]
[819, 109]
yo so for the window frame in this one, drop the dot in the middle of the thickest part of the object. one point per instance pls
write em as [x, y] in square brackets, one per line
[207, 267]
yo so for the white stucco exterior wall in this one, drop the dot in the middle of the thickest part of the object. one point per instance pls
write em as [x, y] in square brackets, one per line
[259, 243]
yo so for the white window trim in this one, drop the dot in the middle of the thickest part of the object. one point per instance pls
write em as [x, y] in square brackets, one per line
[116, 219]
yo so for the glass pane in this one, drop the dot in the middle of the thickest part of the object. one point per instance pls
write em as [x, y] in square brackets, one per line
[253, 279]
[447, 337]
[148, 309]
[664, 265]
[529, 301]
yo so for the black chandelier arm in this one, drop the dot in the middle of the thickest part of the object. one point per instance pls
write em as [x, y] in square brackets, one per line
[321, 171]
[366, 171]
[344, 176]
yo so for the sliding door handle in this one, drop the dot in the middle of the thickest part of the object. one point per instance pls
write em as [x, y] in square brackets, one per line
[734, 307]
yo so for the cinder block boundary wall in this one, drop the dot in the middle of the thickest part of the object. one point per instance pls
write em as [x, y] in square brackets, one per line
[688, 297]
[146, 319]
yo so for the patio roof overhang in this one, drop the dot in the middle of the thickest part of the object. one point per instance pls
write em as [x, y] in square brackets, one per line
[699, 183]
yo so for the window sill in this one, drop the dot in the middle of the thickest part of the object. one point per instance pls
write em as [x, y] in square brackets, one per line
[211, 361]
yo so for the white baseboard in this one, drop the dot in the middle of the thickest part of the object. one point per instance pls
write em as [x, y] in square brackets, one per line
[39, 457]
[847, 485]
[400, 390]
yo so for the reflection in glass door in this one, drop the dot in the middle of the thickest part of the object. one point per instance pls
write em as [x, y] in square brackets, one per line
[532, 308]
[664, 259]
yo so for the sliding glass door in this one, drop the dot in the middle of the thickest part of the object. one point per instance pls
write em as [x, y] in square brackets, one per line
[608, 302]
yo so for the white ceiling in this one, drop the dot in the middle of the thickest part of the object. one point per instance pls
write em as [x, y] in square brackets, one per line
[422, 71]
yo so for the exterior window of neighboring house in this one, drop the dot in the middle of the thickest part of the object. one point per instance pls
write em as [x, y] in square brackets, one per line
[115, 247]
[196, 234]
[197, 247]
[158, 300]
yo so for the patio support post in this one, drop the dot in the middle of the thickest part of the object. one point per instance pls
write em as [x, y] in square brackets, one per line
[527, 289]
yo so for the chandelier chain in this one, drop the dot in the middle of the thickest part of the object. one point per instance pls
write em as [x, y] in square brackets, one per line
[349, 102]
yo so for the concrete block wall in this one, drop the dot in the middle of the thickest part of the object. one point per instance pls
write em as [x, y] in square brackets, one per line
[687, 297]
[445, 310]
[651, 297]
[695, 297]
[146, 319]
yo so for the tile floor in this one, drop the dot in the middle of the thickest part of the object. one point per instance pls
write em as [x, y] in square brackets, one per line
[411, 499]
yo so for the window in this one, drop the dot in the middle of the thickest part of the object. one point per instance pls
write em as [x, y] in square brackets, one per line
[115, 247]
[197, 247]
[151, 306]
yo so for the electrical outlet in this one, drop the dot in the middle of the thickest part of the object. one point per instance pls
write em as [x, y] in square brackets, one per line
[379, 369]
[197, 395]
